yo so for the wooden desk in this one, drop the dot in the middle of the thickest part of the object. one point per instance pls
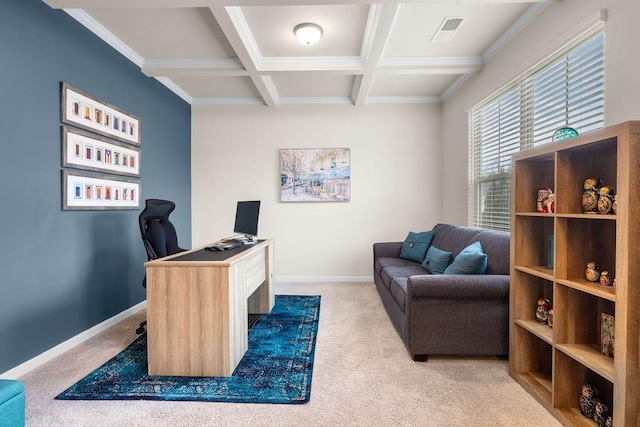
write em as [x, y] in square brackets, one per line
[197, 308]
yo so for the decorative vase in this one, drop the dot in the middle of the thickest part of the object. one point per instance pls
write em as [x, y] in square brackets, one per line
[592, 273]
[564, 133]
[542, 310]
[590, 196]
[550, 318]
[605, 279]
[605, 199]
[615, 204]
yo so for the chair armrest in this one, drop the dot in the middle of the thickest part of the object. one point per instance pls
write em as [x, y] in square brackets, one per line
[387, 249]
[444, 286]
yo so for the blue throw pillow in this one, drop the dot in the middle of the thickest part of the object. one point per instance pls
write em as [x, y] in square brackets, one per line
[470, 261]
[437, 260]
[415, 246]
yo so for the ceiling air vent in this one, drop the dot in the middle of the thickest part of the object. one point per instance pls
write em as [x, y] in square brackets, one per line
[447, 30]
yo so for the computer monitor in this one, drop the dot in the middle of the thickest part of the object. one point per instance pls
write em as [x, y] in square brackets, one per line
[247, 213]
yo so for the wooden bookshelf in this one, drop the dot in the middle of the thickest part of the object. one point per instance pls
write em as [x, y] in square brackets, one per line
[553, 363]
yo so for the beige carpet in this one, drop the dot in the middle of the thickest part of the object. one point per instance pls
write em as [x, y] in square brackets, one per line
[363, 376]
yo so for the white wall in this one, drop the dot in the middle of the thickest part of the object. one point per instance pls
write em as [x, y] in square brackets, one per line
[555, 24]
[395, 180]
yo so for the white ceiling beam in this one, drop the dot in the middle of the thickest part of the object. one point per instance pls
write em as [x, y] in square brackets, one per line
[339, 65]
[160, 4]
[193, 67]
[236, 30]
[431, 65]
[379, 26]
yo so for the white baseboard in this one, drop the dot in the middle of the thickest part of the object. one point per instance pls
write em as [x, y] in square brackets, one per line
[315, 279]
[56, 351]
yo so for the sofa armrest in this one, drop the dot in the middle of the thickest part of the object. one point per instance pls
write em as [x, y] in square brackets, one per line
[470, 286]
[387, 249]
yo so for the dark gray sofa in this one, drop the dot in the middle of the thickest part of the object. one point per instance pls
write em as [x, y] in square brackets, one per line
[448, 314]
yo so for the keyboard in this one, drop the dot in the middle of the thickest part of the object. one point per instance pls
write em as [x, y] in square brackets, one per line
[223, 246]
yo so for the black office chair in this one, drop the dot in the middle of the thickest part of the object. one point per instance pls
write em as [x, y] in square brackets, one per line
[158, 234]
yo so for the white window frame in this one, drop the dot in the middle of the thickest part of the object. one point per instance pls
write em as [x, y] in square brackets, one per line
[505, 123]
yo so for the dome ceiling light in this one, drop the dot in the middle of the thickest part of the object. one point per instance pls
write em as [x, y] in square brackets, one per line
[308, 34]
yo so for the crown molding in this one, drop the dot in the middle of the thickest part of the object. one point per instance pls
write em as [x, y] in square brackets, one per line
[96, 28]
[453, 87]
[244, 32]
[339, 64]
[329, 100]
[175, 88]
[193, 67]
[402, 100]
[521, 23]
[227, 101]
[426, 65]
[375, 10]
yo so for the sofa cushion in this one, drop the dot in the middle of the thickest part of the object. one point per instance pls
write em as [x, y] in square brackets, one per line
[471, 260]
[437, 260]
[393, 272]
[384, 262]
[414, 247]
[454, 238]
[496, 245]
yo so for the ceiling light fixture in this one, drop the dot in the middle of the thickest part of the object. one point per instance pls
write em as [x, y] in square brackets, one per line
[308, 34]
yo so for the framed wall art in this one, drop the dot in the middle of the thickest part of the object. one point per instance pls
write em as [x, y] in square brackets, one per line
[315, 175]
[80, 109]
[91, 191]
[84, 150]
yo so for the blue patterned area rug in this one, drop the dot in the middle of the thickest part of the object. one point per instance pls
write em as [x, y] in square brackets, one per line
[277, 367]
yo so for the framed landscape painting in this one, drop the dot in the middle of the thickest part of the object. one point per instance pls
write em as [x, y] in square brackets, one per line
[315, 175]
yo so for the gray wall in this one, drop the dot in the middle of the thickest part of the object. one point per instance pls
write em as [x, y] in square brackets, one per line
[64, 272]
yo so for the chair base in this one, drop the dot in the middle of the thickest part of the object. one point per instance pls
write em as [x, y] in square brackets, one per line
[141, 329]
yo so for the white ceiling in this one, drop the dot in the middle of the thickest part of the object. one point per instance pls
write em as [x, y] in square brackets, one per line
[245, 52]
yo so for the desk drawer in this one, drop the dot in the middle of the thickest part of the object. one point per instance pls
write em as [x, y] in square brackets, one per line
[256, 271]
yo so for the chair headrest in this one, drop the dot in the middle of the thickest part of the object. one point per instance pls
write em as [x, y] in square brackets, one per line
[156, 209]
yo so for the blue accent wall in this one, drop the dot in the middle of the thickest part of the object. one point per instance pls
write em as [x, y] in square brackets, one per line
[62, 272]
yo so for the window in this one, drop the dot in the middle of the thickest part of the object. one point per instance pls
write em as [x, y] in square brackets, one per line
[566, 90]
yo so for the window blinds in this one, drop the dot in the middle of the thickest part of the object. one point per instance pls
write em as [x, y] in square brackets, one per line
[565, 90]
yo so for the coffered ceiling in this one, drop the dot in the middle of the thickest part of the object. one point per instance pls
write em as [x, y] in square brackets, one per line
[245, 51]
